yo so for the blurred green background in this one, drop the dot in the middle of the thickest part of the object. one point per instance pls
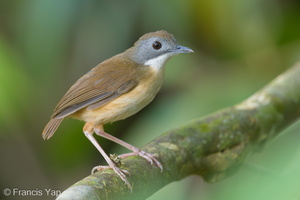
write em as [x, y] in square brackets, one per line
[46, 45]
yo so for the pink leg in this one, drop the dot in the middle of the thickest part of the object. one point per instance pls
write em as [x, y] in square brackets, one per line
[111, 164]
[135, 151]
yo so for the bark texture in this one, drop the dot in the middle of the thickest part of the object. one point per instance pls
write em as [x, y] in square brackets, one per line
[212, 146]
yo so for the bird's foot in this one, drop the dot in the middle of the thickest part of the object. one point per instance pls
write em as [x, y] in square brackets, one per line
[148, 156]
[120, 172]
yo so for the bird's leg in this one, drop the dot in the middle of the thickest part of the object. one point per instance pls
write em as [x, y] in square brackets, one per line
[88, 131]
[98, 129]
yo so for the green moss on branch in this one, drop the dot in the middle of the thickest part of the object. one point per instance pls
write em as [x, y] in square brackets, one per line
[212, 146]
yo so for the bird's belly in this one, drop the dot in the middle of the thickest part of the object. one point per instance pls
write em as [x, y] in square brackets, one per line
[125, 105]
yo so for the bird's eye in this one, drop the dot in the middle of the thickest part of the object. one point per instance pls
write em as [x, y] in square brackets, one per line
[156, 45]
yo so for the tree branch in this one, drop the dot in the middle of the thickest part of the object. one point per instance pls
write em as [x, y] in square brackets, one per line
[212, 146]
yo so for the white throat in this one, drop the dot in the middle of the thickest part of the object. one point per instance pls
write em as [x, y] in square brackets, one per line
[158, 62]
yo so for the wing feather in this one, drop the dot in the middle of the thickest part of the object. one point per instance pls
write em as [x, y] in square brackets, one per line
[99, 86]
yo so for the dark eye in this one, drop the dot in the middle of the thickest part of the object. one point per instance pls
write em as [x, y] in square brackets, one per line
[156, 45]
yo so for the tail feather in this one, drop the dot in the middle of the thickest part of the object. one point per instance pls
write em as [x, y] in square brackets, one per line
[51, 127]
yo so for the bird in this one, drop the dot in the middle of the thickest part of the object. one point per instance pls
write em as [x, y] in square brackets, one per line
[115, 89]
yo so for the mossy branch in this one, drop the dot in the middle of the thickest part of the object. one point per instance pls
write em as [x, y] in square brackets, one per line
[212, 146]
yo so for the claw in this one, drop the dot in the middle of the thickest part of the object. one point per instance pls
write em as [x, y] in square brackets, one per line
[148, 156]
[120, 172]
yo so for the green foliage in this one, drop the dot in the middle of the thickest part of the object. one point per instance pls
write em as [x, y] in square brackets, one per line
[47, 45]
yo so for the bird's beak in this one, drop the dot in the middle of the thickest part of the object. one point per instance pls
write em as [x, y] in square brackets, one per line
[182, 49]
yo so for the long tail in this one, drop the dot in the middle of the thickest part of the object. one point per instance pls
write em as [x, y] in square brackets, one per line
[51, 127]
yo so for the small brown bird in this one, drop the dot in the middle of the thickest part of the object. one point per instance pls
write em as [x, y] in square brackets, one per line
[116, 89]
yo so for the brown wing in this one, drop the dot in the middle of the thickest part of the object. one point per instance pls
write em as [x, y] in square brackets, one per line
[99, 86]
